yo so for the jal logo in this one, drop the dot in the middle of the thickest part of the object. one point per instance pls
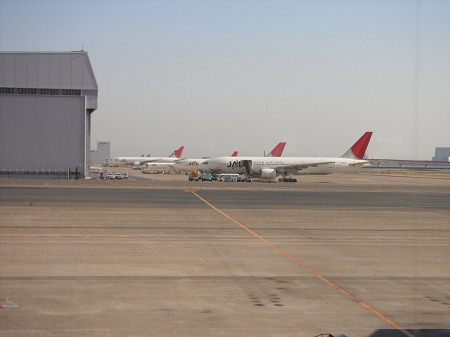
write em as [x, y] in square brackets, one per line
[193, 163]
[234, 164]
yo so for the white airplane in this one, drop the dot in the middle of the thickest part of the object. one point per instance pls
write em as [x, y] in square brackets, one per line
[266, 167]
[139, 161]
[188, 164]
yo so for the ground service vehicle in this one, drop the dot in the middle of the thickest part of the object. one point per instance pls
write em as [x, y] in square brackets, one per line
[228, 177]
[207, 176]
[194, 175]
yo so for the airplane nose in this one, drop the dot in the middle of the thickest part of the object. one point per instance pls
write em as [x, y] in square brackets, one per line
[204, 166]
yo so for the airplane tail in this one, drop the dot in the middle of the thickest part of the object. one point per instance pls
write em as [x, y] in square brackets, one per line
[358, 150]
[277, 150]
[235, 153]
[177, 153]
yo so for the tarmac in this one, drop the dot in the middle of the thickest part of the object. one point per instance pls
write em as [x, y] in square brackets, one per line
[364, 254]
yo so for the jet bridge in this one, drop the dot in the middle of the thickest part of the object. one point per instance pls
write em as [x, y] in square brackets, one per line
[247, 164]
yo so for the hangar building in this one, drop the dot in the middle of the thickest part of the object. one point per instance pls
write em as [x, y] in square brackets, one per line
[46, 101]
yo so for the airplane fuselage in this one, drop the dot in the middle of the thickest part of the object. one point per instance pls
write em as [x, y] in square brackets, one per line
[140, 160]
[288, 165]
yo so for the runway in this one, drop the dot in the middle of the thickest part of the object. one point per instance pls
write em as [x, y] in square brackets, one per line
[180, 259]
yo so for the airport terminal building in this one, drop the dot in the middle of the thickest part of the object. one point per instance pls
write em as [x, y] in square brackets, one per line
[442, 154]
[46, 101]
[102, 154]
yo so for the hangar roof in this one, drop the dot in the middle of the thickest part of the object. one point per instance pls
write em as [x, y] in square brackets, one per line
[49, 70]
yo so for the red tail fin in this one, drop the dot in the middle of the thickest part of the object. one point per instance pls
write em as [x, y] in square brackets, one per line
[177, 153]
[358, 150]
[235, 153]
[278, 150]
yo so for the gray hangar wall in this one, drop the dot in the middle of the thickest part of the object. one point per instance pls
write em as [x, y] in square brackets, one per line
[42, 133]
[46, 101]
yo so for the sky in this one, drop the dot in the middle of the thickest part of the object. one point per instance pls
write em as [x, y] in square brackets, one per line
[219, 76]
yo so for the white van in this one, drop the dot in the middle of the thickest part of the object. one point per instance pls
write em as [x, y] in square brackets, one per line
[93, 169]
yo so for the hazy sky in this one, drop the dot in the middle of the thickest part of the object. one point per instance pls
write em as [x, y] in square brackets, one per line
[219, 76]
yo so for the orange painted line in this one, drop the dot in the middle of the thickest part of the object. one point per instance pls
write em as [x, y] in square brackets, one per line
[313, 272]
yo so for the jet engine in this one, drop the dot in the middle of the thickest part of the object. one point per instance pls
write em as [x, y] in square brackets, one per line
[268, 173]
[137, 163]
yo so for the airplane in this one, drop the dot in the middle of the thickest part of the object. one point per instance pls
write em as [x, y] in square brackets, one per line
[188, 164]
[139, 161]
[271, 167]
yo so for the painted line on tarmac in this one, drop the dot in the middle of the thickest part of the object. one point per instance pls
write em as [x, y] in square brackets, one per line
[312, 271]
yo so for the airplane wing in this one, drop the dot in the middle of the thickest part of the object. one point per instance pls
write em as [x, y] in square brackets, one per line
[159, 160]
[292, 169]
[150, 160]
[360, 163]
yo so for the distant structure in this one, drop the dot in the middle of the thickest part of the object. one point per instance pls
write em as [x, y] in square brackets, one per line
[441, 160]
[46, 102]
[442, 154]
[102, 154]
